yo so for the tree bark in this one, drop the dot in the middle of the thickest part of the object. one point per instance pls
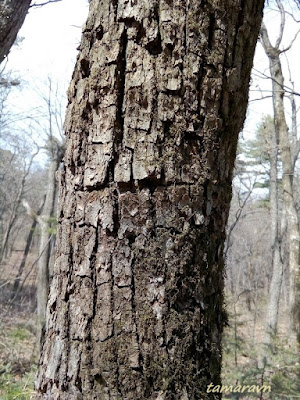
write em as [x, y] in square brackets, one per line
[12, 16]
[157, 100]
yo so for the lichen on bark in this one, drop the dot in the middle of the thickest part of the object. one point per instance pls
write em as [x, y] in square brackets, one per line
[156, 102]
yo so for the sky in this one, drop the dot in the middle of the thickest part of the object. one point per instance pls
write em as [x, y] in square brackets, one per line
[48, 49]
[52, 33]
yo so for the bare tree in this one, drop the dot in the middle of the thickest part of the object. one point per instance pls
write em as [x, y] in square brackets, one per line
[17, 283]
[287, 156]
[14, 200]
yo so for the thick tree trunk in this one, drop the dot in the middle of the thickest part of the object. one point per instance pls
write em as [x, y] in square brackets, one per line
[12, 16]
[157, 100]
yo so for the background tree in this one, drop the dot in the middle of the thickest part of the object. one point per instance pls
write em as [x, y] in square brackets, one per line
[49, 121]
[289, 155]
[157, 99]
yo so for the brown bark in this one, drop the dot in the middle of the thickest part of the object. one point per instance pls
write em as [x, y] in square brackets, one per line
[157, 100]
[12, 16]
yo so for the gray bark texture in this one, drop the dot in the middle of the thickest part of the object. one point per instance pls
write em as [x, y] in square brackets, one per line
[12, 16]
[157, 100]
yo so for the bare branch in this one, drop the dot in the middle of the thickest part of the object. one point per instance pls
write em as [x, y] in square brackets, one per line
[260, 98]
[282, 23]
[31, 268]
[284, 87]
[291, 44]
[29, 210]
[265, 41]
[292, 16]
[242, 204]
[43, 4]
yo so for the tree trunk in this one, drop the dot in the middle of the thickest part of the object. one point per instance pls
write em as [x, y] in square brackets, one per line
[282, 131]
[12, 16]
[277, 265]
[44, 247]
[45, 238]
[12, 217]
[16, 286]
[157, 100]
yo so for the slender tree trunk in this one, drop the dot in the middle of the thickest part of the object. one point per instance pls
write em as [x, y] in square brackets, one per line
[44, 245]
[157, 100]
[45, 238]
[281, 128]
[12, 218]
[26, 252]
[16, 204]
[12, 16]
[277, 266]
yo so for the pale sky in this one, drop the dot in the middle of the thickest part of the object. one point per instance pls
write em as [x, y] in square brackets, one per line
[51, 34]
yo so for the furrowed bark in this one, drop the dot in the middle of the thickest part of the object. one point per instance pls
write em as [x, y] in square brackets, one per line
[156, 103]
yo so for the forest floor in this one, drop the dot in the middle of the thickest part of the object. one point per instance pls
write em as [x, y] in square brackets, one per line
[18, 349]
[243, 361]
[18, 356]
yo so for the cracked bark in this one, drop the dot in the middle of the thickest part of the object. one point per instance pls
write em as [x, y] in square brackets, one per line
[157, 100]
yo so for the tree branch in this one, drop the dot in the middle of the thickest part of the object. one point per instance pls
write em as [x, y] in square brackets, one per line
[291, 44]
[282, 23]
[43, 4]
[29, 210]
[284, 87]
